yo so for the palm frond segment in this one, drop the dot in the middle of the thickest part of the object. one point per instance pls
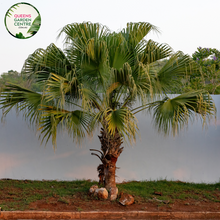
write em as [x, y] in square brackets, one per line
[80, 33]
[172, 114]
[45, 61]
[75, 122]
[150, 51]
[176, 68]
[120, 121]
[134, 33]
[22, 99]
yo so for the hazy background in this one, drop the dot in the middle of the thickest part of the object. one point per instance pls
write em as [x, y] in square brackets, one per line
[191, 156]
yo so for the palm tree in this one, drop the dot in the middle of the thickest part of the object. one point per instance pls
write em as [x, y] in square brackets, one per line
[95, 82]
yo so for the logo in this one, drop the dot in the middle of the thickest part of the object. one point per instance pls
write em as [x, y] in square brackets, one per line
[22, 20]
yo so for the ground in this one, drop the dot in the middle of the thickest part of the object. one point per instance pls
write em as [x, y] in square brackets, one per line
[74, 196]
[79, 204]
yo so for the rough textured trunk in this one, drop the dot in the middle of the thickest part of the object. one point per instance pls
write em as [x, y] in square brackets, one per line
[109, 174]
[110, 151]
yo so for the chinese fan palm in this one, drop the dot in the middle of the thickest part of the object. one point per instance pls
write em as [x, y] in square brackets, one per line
[95, 82]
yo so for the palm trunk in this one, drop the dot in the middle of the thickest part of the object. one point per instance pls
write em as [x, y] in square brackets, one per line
[110, 151]
[109, 174]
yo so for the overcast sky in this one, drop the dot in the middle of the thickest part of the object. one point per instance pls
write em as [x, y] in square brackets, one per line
[184, 25]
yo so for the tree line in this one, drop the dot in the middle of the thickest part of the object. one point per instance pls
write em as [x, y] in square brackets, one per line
[18, 78]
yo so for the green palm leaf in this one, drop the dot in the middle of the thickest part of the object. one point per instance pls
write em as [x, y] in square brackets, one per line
[22, 99]
[75, 122]
[134, 33]
[150, 51]
[79, 34]
[173, 114]
[176, 67]
[43, 62]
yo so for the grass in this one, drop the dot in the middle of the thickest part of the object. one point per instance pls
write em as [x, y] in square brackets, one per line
[172, 190]
[19, 194]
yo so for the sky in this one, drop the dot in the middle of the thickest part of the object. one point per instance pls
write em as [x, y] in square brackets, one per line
[184, 25]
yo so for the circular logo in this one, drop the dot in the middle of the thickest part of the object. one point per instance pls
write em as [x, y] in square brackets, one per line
[22, 20]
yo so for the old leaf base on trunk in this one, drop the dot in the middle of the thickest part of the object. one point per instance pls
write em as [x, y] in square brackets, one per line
[110, 151]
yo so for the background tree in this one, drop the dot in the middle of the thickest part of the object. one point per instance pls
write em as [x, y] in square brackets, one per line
[208, 76]
[13, 77]
[95, 83]
[17, 78]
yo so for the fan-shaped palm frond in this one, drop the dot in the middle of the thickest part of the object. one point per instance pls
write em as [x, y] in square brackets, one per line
[134, 33]
[122, 121]
[176, 67]
[59, 88]
[118, 52]
[75, 122]
[78, 34]
[150, 51]
[173, 114]
[43, 62]
[22, 99]
[94, 63]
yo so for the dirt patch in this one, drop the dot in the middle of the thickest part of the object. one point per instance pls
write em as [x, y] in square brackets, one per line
[79, 204]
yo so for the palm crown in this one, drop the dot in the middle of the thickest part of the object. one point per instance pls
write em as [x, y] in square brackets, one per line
[95, 82]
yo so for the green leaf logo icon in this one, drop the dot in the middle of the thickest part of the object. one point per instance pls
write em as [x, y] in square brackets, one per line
[22, 20]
